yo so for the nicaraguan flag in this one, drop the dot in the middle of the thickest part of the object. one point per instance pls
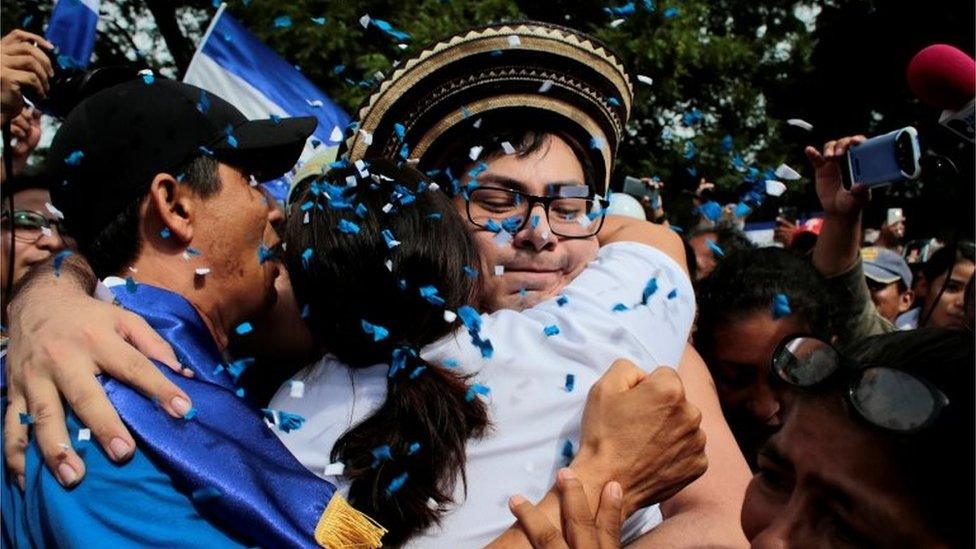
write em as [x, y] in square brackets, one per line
[72, 29]
[233, 64]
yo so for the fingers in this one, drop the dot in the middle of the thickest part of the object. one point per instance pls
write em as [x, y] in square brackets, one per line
[542, 533]
[28, 57]
[138, 332]
[50, 432]
[87, 398]
[21, 79]
[814, 156]
[610, 515]
[15, 435]
[579, 528]
[622, 375]
[123, 362]
[18, 35]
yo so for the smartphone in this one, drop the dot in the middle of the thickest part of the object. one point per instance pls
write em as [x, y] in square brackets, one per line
[639, 189]
[788, 213]
[883, 160]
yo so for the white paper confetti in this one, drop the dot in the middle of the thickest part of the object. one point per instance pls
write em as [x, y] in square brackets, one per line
[508, 148]
[84, 434]
[316, 104]
[334, 469]
[499, 270]
[787, 173]
[364, 21]
[799, 123]
[775, 188]
[54, 211]
[433, 187]
[387, 208]
[514, 40]
[296, 389]
[350, 180]
[389, 265]
[477, 123]
[616, 23]
[645, 79]
[305, 219]
[361, 167]
[475, 152]
[336, 134]
[502, 238]
[449, 316]
[64, 446]
[202, 271]
[546, 86]
[253, 181]
[46, 231]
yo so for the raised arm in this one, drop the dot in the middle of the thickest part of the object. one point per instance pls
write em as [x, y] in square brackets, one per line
[839, 242]
[706, 512]
[60, 339]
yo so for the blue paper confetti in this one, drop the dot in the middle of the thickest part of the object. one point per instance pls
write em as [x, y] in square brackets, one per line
[781, 306]
[742, 209]
[449, 363]
[470, 271]
[690, 150]
[649, 289]
[231, 140]
[190, 414]
[570, 382]
[710, 210]
[391, 242]
[307, 254]
[436, 216]
[619, 307]
[673, 293]
[726, 144]
[286, 421]
[361, 211]
[281, 22]
[562, 300]
[203, 104]
[400, 130]
[378, 332]
[264, 253]
[148, 77]
[239, 392]
[244, 328]
[715, 248]
[74, 158]
[670, 13]
[413, 448]
[551, 330]
[417, 371]
[396, 484]
[474, 390]
[568, 451]
[130, 285]
[59, 259]
[237, 367]
[381, 454]
[620, 11]
[26, 419]
[432, 296]
[165, 233]
[390, 31]
[534, 221]
[493, 226]
[348, 227]
[318, 20]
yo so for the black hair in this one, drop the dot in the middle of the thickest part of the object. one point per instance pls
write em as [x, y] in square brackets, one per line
[525, 137]
[343, 276]
[118, 244]
[726, 237]
[945, 258]
[936, 463]
[747, 282]
[39, 179]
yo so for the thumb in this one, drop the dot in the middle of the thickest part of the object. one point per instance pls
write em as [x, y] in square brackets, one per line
[814, 156]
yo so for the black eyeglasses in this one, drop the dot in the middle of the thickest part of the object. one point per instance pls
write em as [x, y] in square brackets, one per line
[888, 398]
[30, 226]
[568, 216]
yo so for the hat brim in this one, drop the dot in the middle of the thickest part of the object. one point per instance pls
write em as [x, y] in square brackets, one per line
[269, 148]
[877, 274]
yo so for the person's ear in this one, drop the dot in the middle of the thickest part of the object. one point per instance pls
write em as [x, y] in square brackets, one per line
[173, 205]
[905, 301]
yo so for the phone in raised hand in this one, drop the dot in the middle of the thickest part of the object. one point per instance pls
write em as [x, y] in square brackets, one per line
[883, 160]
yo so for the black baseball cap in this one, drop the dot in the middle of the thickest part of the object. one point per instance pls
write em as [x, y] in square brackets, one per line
[112, 145]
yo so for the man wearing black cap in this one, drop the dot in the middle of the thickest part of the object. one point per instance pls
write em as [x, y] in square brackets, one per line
[160, 188]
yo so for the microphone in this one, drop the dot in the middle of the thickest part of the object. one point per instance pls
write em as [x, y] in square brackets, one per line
[945, 77]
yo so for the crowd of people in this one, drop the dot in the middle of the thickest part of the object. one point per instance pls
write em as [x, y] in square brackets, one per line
[446, 338]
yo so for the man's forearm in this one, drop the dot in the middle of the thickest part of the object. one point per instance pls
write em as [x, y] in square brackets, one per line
[838, 245]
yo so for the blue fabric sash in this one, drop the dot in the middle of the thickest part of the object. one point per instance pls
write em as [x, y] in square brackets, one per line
[266, 497]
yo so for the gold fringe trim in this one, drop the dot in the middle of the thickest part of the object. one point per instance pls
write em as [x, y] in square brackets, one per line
[341, 526]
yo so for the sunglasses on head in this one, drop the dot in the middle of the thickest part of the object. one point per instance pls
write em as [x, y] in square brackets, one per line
[892, 399]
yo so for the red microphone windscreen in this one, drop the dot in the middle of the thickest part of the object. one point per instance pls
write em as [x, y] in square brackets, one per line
[942, 76]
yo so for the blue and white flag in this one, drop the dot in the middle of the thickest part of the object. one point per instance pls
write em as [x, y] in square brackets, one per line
[233, 64]
[72, 29]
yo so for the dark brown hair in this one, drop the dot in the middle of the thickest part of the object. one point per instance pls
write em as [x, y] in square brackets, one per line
[352, 281]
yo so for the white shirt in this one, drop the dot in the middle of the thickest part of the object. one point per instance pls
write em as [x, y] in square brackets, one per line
[532, 413]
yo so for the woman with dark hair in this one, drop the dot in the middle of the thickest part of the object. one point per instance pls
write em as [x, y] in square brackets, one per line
[372, 305]
[753, 299]
[877, 445]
